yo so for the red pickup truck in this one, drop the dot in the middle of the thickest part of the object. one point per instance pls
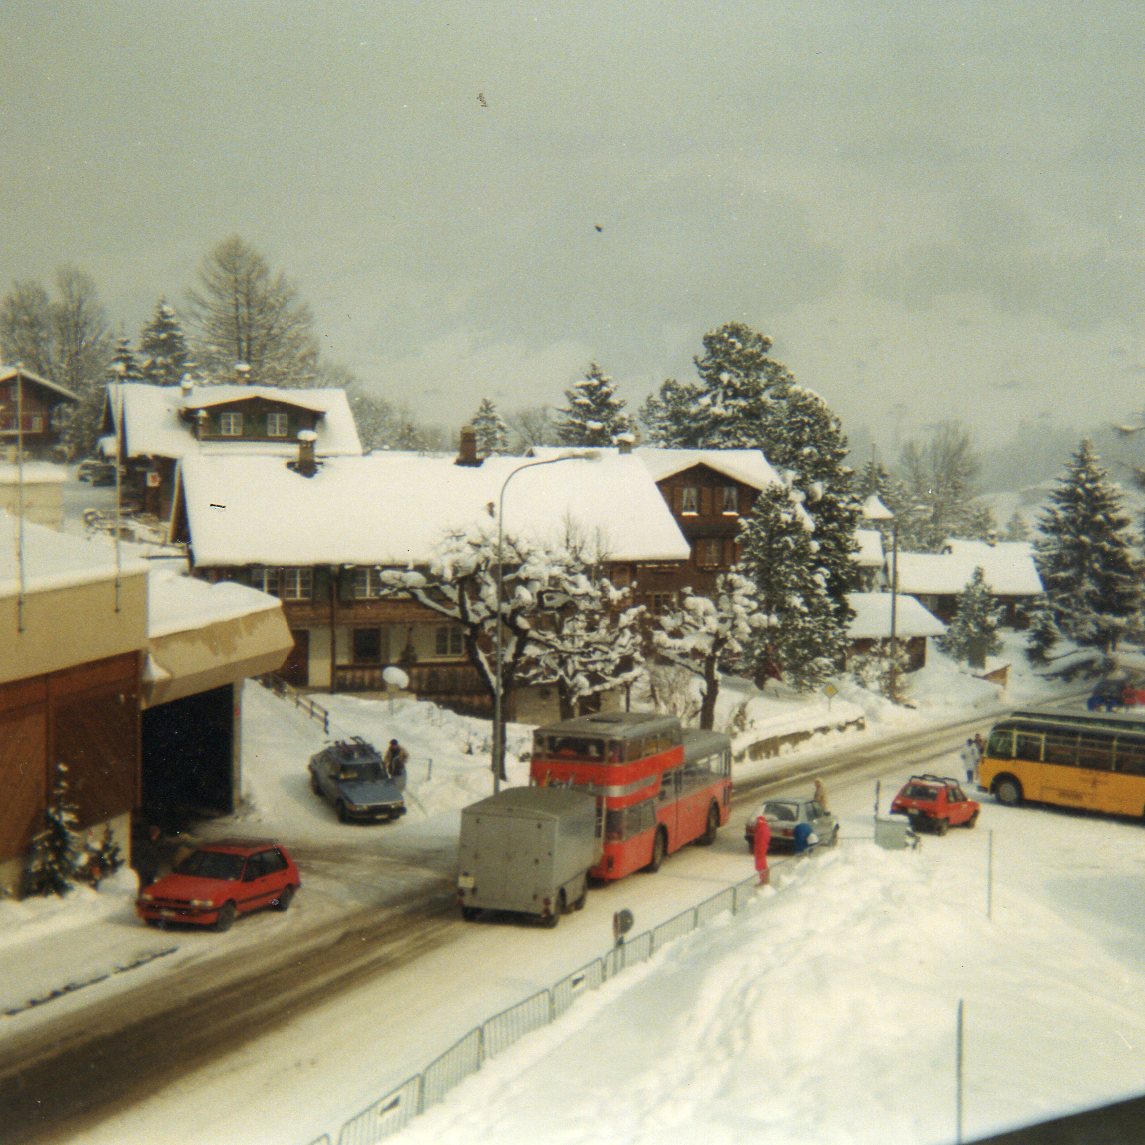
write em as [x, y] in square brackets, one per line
[935, 803]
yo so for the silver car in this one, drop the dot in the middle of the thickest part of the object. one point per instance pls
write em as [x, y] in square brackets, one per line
[784, 815]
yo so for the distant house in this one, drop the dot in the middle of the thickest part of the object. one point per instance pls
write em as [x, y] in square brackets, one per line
[871, 559]
[33, 412]
[938, 579]
[320, 542]
[159, 425]
[871, 624]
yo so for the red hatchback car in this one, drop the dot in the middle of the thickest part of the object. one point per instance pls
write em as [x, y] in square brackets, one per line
[220, 881]
[935, 803]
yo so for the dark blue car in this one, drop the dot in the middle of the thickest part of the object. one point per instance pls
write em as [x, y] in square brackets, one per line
[351, 775]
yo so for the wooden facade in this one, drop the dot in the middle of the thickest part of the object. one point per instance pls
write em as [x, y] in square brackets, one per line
[33, 412]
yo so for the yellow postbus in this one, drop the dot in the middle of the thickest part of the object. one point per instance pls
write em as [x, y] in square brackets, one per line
[1091, 760]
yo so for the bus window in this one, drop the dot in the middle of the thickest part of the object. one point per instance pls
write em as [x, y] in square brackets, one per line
[670, 783]
[625, 822]
[1095, 752]
[1028, 746]
[1131, 755]
[1061, 748]
[1001, 745]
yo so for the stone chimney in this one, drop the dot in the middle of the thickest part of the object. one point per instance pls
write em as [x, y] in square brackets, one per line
[467, 451]
[307, 464]
[623, 443]
[242, 373]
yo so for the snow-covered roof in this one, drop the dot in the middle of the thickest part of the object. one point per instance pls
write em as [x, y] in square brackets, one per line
[746, 465]
[872, 619]
[58, 560]
[177, 602]
[1009, 570]
[154, 428]
[870, 554]
[394, 509]
[7, 373]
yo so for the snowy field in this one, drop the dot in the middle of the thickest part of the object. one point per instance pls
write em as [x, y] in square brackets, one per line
[824, 1012]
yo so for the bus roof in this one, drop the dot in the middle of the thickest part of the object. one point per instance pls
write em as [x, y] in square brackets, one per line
[1078, 717]
[615, 725]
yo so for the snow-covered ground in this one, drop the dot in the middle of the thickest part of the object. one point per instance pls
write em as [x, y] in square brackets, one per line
[825, 1011]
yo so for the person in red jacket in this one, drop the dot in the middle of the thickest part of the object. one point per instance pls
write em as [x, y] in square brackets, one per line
[760, 844]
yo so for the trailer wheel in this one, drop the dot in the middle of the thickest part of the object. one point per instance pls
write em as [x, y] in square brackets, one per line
[659, 850]
[578, 903]
[551, 920]
[469, 913]
[709, 835]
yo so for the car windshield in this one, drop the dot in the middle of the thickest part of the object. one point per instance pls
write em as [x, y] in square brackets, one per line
[783, 812]
[212, 865]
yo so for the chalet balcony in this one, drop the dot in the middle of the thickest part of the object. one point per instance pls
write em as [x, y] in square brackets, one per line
[458, 685]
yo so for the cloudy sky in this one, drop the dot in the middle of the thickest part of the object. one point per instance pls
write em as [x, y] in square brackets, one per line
[935, 209]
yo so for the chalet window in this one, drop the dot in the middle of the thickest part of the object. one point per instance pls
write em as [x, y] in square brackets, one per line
[36, 423]
[658, 603]
[369, 647]
[265, 579]
[367, 583]
[231, 424]
[449, 640]
[276, 425]
[297, 584]
[731, 499]
[709, 552]
[689, 499]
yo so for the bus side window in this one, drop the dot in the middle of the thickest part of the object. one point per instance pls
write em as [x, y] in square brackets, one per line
[1131, 755]
[1061, 748]
[1001, 745]
[1095, 753]
[1028, 746]
[670, 784]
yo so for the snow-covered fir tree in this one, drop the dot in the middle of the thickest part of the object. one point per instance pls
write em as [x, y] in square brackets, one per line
[1017, 528]
[1043, 632]
[801, 637]
[124, 364]
[707, 633]
[878, 671]
[491, 430]
[1086, 557]
[56, 857]
[728, 407]
[972, 634]
[164, 357]
[594, 414]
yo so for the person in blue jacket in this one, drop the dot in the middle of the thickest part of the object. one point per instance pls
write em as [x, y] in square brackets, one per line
[804, 838]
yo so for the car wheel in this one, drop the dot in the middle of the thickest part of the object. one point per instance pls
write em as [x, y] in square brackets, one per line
[315, 786]
[340, 807]
[972, 820]
[659, 850]
[834, 837]
[941, 826]
[710, 831]
[227, 914]
[1008, 791]
[284, 899]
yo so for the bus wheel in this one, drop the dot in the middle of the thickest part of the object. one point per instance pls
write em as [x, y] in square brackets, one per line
[709, 835]
[659, 850]
[1008, 791]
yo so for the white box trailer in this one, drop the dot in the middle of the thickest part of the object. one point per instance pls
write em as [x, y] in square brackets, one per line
[529, 850]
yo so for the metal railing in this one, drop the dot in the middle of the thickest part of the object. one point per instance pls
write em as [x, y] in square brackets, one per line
[394, 1110]
[281, 688]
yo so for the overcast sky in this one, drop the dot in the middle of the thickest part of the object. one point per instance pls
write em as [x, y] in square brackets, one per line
[935, 208]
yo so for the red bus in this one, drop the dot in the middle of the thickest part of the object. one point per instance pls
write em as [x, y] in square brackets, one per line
[657, 787]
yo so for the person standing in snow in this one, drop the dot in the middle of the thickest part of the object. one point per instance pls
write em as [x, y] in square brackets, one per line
[805, 838]
[761, 841]
[821, 794]
[969, 757]
[396, 759]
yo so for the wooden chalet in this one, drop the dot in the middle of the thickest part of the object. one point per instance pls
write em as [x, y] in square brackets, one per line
[33, 412]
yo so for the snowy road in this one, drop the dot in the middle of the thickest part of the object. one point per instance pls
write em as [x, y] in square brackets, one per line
[382, 921]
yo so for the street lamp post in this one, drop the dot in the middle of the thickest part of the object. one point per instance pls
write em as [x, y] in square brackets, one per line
[875, 510]
[498, 656]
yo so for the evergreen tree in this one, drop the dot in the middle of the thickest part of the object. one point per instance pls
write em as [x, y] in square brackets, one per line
[245, 314]
[491, 430]
[801, 637]
[972, 635]
[704, 633]
[729, 406]
[1085, 556]
[594, 415]
[1043, 632]
[163, 348]
[56, 857]
[124, 365]
[875, 671]
[1017, 528]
